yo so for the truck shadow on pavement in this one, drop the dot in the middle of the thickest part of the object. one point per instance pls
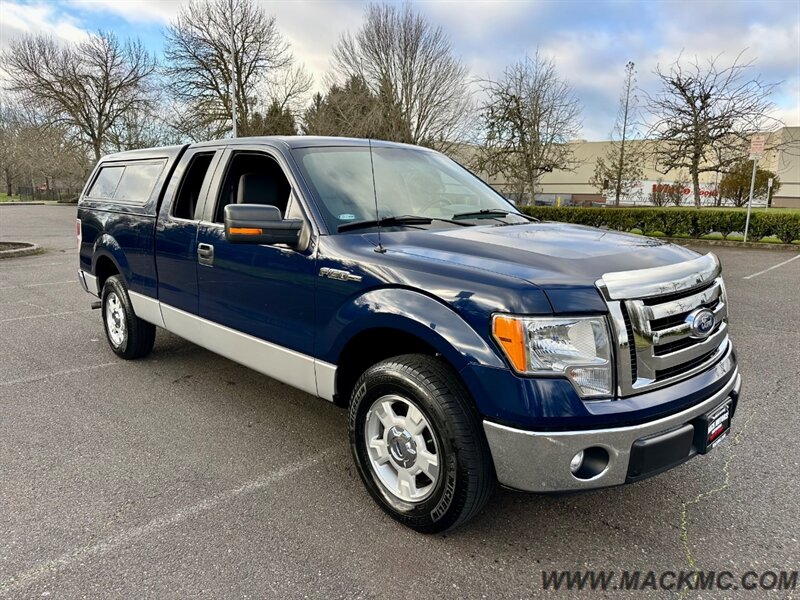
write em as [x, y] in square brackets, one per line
[644, 515]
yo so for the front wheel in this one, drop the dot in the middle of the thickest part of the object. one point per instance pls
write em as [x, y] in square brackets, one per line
[418, 443]
[128, 335]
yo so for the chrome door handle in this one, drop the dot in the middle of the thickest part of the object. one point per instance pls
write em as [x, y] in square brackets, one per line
[205, 254]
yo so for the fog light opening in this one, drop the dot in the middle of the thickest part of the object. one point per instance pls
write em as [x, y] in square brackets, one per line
[589, 463]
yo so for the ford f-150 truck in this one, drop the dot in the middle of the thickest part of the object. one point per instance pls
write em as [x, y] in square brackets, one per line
[470, 343]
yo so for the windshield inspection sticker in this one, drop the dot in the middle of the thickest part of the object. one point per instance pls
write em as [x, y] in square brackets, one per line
[347, 217]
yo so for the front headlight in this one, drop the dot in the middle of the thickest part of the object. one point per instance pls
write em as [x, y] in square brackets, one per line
[578, 347]
[723, 294]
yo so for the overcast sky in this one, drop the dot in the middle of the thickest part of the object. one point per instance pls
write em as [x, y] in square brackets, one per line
[590, 40]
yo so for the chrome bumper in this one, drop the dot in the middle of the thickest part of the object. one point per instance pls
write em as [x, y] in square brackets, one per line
[539, 461]
[88, 283]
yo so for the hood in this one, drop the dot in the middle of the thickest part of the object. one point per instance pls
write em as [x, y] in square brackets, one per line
[564, 260]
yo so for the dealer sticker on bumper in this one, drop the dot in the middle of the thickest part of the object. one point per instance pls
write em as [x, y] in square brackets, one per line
[719, 424]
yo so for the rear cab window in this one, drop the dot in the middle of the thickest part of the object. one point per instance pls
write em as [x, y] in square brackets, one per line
[190, 193]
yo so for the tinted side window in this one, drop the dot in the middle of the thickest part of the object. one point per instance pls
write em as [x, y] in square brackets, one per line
[189, 192]
[106, 183]
[137, 182]
[253, 178]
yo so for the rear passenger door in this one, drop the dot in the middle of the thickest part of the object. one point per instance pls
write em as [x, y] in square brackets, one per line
[263, 291]
[176, 229]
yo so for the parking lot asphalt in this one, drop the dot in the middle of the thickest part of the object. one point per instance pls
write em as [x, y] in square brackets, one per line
[185, 474]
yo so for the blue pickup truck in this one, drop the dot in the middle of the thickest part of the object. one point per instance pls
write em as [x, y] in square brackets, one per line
[470, 344]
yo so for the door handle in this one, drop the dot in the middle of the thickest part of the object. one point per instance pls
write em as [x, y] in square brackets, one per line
[205, 254]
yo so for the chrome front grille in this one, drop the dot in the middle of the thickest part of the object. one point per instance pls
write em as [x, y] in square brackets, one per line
[651, 313]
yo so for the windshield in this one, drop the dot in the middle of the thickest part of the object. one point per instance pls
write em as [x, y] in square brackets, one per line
[407, 182]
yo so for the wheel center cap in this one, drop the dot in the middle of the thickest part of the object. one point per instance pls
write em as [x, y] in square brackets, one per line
[402, 447]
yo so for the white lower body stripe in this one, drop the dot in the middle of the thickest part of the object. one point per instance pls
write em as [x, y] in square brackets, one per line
[147, 308]
[292, 368]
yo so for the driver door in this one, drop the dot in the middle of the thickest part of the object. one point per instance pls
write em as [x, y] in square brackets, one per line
[261, 295]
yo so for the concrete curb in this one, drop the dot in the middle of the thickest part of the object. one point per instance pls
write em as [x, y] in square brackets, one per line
[32, 203]
[28, 250]
[730, 244]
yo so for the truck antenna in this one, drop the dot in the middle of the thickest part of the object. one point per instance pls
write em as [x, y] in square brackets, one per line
[380, 247]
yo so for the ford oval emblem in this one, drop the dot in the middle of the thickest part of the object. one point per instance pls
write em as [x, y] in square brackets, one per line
[701, 322]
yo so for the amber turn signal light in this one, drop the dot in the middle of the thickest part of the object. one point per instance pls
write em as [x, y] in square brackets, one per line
[509, 334]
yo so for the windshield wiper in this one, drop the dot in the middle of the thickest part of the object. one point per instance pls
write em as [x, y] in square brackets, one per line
[489, 213]
[395, 220]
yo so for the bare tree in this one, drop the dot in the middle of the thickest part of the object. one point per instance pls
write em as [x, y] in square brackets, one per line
[676, 190]
[34, 151]
[220, 46]
[660, 194]
[409, 65]
[138, 129]
[9, 156]
[704, 115]
[529, 116]
[289, 89]
[620, 170]
[89, 86]
[664, 194]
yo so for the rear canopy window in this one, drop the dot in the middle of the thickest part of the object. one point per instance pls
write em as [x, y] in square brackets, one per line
[132, 183]
[106, 183]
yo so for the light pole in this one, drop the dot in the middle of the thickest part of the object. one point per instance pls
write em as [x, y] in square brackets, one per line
[233, 71]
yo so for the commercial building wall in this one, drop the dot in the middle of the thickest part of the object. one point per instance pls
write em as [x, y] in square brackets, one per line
[575, 186]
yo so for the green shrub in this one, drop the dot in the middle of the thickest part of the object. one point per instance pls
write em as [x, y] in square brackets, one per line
[735, 237]
[785, 227]
[657, 234]
[714, 235]
[678, 222]
[770, 239]
[636, 231]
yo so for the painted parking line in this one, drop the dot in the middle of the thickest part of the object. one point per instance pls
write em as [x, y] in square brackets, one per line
[127, 537]
[55, 314]
[38, 264]
[23, 302]
[31, 285]
[57, 373]
[780, 264]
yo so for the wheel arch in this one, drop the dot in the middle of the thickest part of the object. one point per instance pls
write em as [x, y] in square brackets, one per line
[104, 268]
[389, 322]
[369, 347]
[109, 259]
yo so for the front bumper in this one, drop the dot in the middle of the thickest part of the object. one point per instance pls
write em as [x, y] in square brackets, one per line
[540, 461]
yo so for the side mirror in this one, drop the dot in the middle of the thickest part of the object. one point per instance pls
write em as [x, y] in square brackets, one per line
[260, 224]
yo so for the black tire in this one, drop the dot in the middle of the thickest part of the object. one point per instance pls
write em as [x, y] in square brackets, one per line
[466, 478]
[137, 336]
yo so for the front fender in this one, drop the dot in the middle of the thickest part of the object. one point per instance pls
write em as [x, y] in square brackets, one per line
[414, 313]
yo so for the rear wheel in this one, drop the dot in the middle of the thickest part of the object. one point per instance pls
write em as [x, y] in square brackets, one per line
[128, 335]
[418, 443]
